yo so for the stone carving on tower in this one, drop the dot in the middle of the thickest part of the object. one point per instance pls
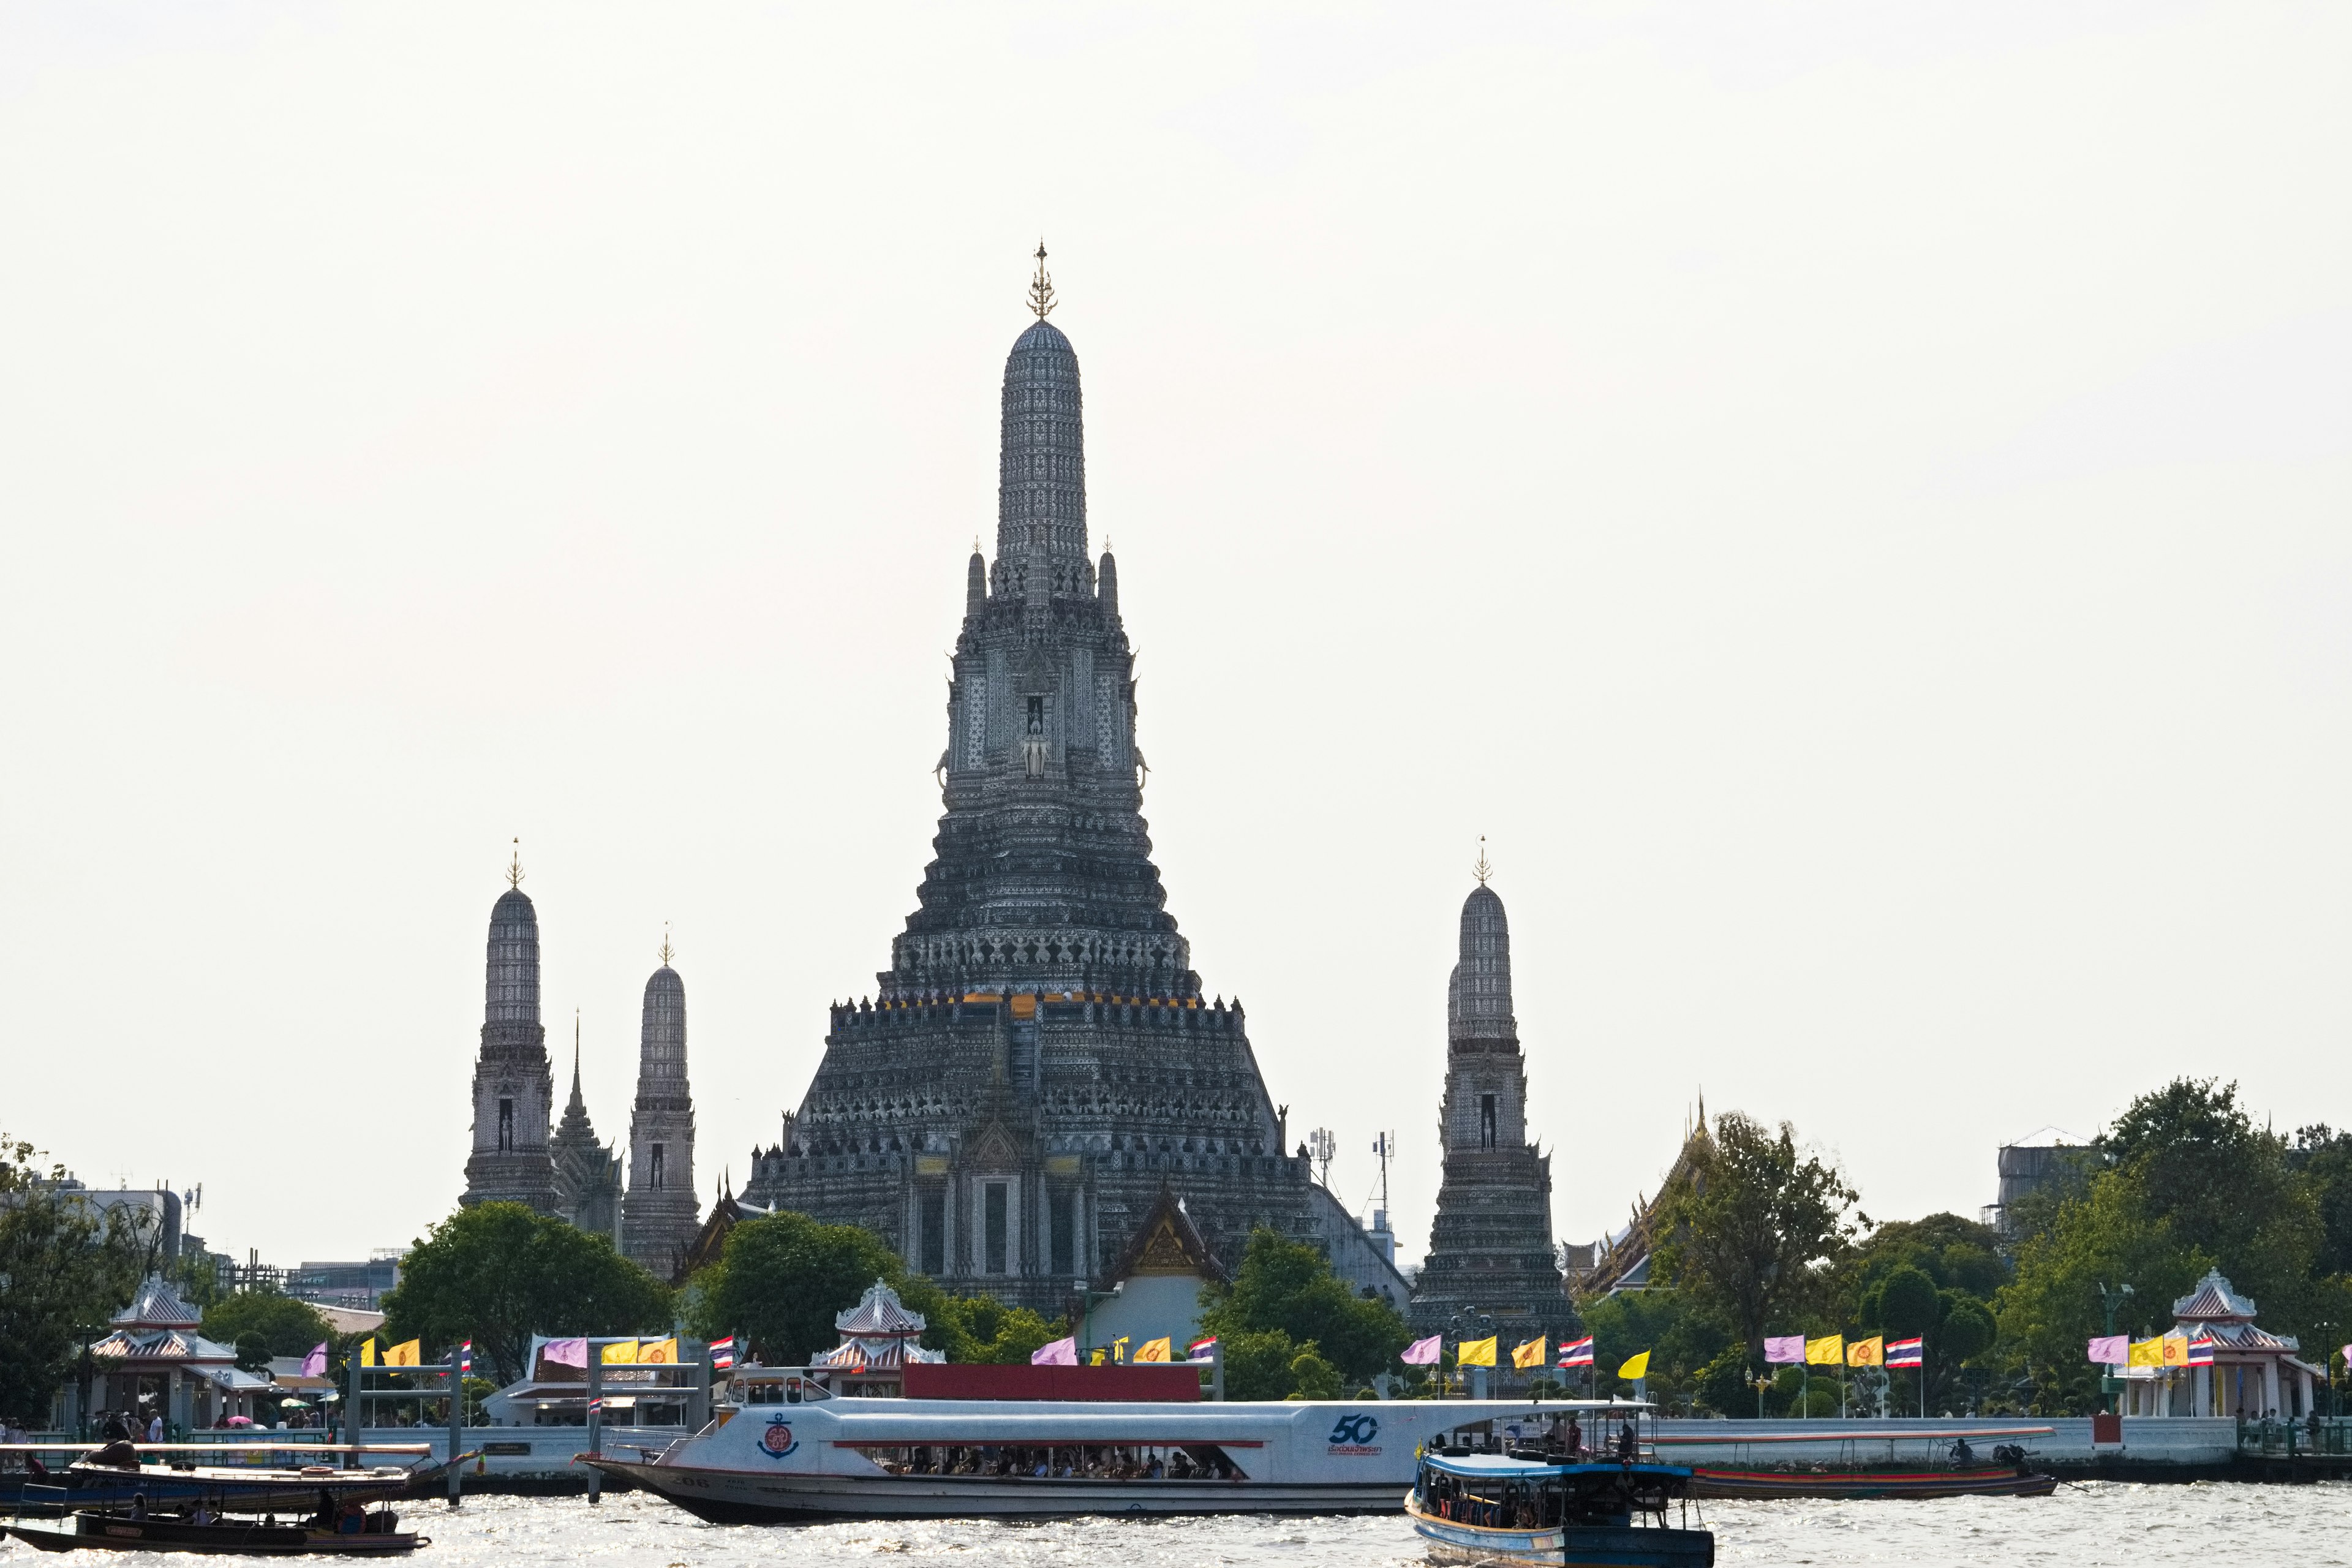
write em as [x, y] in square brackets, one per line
[514, 1091]
[1040, 1059]
[587, 1172]
[1490, 1249]
[661, 1215]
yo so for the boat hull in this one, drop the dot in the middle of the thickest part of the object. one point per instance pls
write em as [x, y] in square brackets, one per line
[249, 1490]
[1604, 1546]
[735, 1497]
[94, 1532]
[1833, 1485]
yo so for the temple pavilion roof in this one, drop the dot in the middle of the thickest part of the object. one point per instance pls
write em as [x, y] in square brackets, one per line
[878, 1312]
[157, 1306]
[182, 1345]
[2214, 1302]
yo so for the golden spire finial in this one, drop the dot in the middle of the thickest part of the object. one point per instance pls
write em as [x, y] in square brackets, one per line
[1482, 870]
[514, 871]
[1041, 287]
[667, 951]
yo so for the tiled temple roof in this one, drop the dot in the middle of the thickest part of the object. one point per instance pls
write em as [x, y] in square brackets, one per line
[878, 1312]
[2213, 1300]
[157, 1306]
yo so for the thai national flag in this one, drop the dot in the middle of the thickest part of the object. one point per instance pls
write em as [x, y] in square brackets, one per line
[596, 1404]
[2200, 1351]
[1902, 1352]
[1577, 1352]
[1200, 1348]
[722, 1353]
[466, 1359]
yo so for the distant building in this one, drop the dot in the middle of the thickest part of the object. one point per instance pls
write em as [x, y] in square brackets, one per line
[356, 1284]
[514, 1089]
[878, 1336]
[587, 1172]
[1621, 1260]
[1041, 1060]
[562, 1169]
[661, 1217]
[2024, 1166]
[1490, 1248]
[154, 1362]
[1154, 1290]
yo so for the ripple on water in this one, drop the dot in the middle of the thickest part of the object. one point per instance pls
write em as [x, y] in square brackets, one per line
[2082, 1527]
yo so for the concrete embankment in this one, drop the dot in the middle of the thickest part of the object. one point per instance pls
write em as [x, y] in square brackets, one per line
[2153, 1447]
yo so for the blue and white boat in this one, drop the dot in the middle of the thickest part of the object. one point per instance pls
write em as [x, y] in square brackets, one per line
[1491, 1509]
[784, 1447]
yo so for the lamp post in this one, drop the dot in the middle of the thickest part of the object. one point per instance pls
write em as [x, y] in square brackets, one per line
[1470, 1323]
[1086, 1299]
[2112, 1301]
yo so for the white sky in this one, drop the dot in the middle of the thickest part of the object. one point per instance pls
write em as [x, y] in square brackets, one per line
[1851, 499]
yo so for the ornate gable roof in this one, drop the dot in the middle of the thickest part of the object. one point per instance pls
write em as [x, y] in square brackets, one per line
[1168, 1242]
[157, 1306]
[878, 1312]
[2214, 1302]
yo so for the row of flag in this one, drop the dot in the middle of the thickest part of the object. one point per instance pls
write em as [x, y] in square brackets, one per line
[1065, 1352]
[314, 1364]
[2165, 1349]
[1831, 1350]
[1836, 1350]
[620, 1352]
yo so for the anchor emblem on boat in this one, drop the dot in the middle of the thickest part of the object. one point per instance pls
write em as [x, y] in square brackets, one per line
[777, 1441]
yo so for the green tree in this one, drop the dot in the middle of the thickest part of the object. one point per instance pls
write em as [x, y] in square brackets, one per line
[1953, 1253]
[2228, 1187]
[783, 1278]
[2323, 1158]
[976, 1328]
[65, 1267]
[1258, 1364]
[1751, 1237]
[497, 1273]
[2051, 1308]
[1904, 1304]
[1288, 1287]
[1684, 1341]
[283, 1325]
[1312, 1377]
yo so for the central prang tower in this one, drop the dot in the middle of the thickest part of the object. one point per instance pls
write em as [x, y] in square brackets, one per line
[1039, 1062]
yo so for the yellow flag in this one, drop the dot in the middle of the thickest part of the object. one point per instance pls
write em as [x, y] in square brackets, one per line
[1118, 1349]
[1474, 1352]
[1827, 1351]
[2176, 1350]
[621, 1354]
[1094, 1357]
[1152, 1350]
[402, 1355]
[1636, 1369]
[662, 1351]
[1529, 1354]
[2148, 1352]
[367, 1353]
[1871, 1351]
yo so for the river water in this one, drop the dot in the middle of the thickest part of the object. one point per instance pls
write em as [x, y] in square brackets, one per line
[2097, 1523]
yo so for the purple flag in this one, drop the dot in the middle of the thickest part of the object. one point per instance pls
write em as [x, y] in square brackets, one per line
[1423, 1352]
[315, 1364]
[2114, 1350]
[566, 1352]
[1785, 1351]
[1060, 1353]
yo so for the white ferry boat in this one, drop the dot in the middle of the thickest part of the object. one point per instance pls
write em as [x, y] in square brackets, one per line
[784, 1446]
